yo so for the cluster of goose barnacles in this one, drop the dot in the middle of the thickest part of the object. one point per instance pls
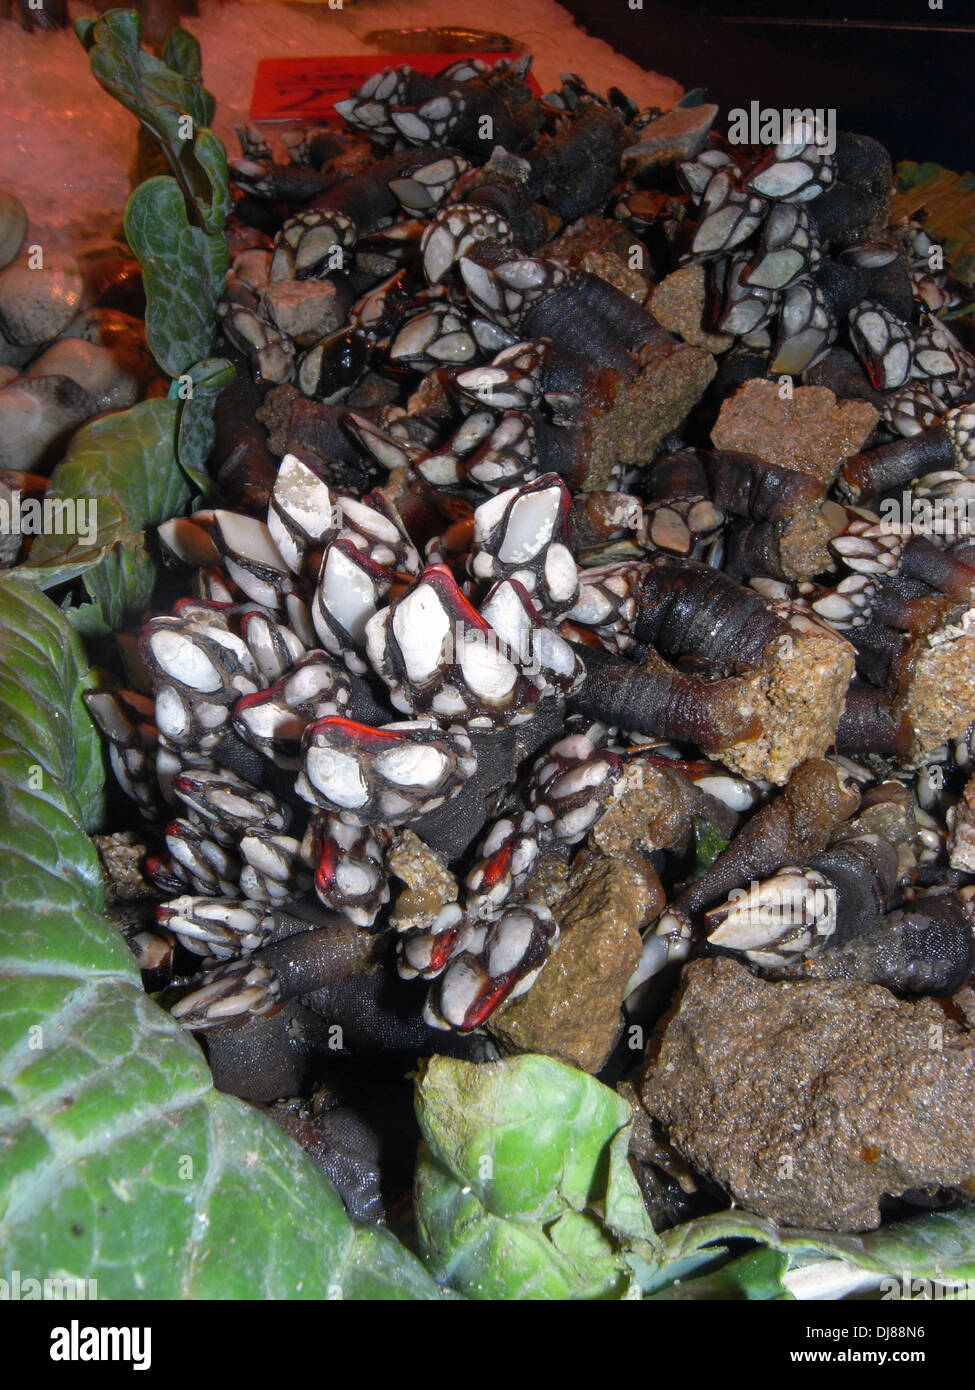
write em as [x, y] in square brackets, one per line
[790, 269]
[465, 625]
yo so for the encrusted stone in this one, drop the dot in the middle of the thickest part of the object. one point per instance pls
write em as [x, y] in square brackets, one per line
[429, 883]
[812, 432]
[305, 310]
[808, 1101]
[938, 697]
[627, 431]
[678, 303]
[600, 246]
[961, 822]
[573, 1009]
[656, 809]
[803, 681]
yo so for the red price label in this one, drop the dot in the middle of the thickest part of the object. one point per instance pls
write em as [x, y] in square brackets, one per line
[306, 89]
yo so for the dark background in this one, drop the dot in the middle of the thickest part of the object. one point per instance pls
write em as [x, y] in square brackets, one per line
[898, 70]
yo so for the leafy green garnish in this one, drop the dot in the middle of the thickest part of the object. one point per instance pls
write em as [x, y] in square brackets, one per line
[183, 269]
[195, 429]
[118, 1160]
[936, 1246]
[523, 1189]
[174, 224]
[126, 466]
[163, 96]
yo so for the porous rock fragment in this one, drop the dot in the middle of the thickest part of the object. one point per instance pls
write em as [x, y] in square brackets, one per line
[808, 1101]
[600, 246]
[804, 677]
[811, 431]
[678, 303]
[656, 808]
[626, 431]
[305, 310]
[937, 696]
[430, 885]
[572, 1011]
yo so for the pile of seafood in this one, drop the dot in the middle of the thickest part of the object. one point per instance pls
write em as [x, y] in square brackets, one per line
[555, 628]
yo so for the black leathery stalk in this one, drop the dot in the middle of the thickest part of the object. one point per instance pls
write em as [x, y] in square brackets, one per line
[863, 875]
[686, 607]
[866, 475]
[592, 141]
[924, 947]
[654, 698]
[867, 724]
[585, 333]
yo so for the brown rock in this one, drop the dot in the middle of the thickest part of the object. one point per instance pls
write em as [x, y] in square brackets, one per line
[572, 1011]
[887, 810]
[617, 272]
[938, 695]
[430, 885]
[600, 246]
[305, 310]
[275, 413]
[678, 303]
[804, 544]
[810, 1100]
[812, 433]
[548, 881]
[657, 808]
[804, 677]
[627, 430]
